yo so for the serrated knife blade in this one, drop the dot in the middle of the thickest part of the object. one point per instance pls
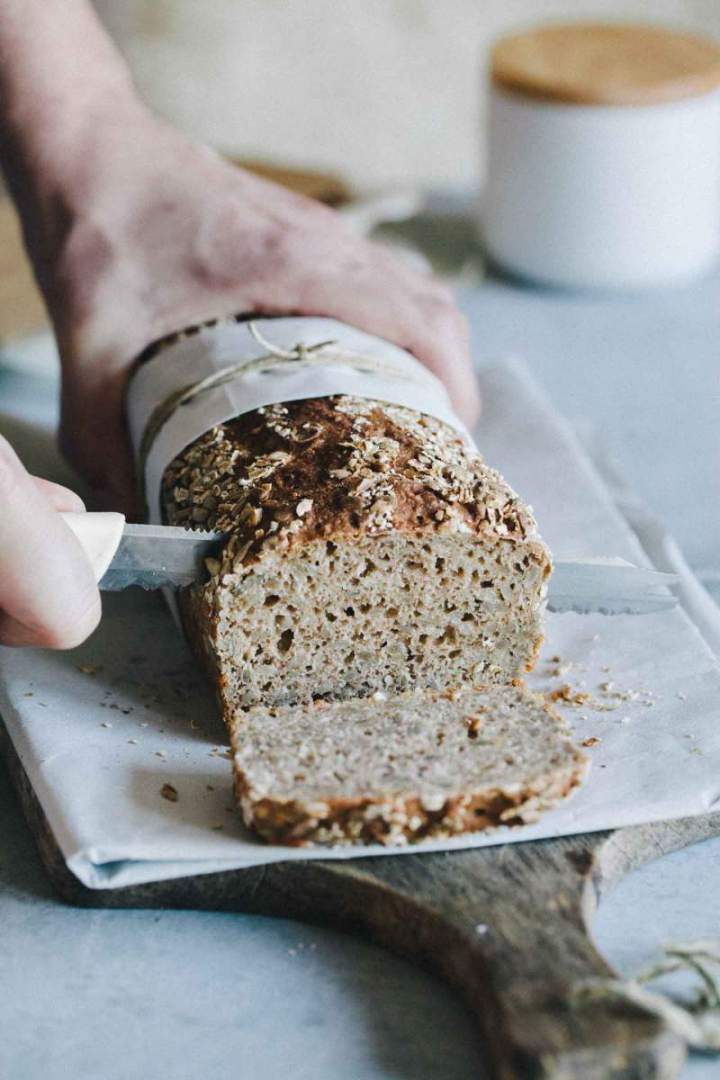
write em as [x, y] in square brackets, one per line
[156, 556]
[159, 556]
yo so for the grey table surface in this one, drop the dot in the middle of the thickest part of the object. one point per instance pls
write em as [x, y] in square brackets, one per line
[113, 995]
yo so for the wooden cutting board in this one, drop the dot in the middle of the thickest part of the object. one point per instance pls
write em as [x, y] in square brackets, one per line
[507, 926]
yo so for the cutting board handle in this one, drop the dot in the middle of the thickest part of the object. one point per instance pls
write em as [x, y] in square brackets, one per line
[507, 927]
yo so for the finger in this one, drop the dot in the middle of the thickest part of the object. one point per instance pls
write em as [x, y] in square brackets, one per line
[443, 345]
[94, 439]
[48, 594]
[61, 498]
[412, 313]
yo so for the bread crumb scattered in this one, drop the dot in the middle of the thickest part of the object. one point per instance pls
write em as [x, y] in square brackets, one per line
[567, 694]
[169, 792]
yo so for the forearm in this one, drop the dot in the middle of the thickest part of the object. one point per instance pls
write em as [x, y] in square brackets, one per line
[62, 84]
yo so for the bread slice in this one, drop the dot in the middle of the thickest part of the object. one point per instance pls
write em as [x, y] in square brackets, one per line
[400, 769]
[370, 550]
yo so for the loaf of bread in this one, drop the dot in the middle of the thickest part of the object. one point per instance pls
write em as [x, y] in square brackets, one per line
[369, 550]
[421, 764]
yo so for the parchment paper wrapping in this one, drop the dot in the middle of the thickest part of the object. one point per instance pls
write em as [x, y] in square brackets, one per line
[102, 729]
[356, 363]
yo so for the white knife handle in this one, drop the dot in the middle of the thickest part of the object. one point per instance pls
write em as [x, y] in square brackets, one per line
[99, 535]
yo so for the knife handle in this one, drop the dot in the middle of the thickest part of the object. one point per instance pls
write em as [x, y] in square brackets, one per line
[99, 536]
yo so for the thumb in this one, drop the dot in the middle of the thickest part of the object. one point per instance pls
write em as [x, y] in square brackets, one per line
[48, 594]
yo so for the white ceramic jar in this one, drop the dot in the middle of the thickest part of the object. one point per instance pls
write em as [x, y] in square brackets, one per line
[604, 156]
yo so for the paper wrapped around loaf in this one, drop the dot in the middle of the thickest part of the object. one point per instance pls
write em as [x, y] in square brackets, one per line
[370, 550]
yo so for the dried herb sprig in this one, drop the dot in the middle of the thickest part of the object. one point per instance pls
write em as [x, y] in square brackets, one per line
[697, 1022]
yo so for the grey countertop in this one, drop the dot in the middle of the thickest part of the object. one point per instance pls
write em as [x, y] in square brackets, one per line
[112, 995]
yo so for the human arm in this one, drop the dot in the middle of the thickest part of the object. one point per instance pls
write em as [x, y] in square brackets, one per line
[135, 232]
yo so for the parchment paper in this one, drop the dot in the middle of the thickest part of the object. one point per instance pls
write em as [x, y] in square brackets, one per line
[352, 362]
[102, 729]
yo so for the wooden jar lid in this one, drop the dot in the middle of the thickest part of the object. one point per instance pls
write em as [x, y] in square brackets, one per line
[606, 64]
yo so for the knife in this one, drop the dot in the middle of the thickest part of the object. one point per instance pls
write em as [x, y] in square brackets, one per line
[158, 556]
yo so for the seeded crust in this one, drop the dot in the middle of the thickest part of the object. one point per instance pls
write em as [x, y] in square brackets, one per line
[369, 549]
[398, 770]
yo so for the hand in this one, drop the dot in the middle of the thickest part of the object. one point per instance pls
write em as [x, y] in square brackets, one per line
[162, 233]
[48, 595]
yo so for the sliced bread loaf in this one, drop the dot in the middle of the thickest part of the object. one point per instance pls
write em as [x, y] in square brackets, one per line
[370, 550]
[397, 770]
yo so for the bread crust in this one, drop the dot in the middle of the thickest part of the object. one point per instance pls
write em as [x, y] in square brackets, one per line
[339, 466]
[339, 469]
[344, 473]
[407, 817]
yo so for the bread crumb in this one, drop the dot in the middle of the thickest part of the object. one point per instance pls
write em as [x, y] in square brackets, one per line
[572, 697]
[592, 740]
[169, 792]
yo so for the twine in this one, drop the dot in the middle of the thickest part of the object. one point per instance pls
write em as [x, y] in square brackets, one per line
[162, 412]
[275, 356]
[167, 408]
